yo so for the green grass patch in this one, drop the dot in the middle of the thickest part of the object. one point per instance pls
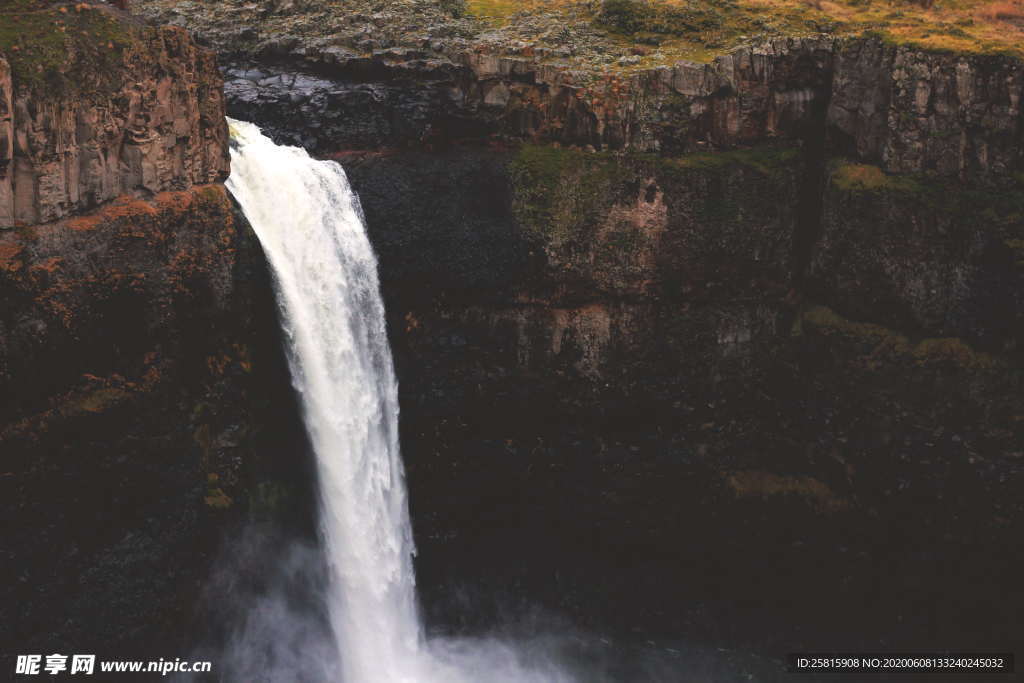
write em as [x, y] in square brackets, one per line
[764, 158]
[495, 11]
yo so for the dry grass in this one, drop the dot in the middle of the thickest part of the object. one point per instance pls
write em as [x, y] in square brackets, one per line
[703, 29]
[969, 26]
[499, 11]
[1011, 12]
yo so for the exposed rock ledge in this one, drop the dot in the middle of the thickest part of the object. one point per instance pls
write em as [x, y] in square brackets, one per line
[903, 108]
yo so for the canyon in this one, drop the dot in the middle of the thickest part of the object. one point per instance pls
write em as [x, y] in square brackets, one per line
[683, 352]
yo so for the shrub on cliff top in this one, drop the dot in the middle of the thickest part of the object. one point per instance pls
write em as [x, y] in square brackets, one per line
[627, 16]
[675, 19]
[454, 8]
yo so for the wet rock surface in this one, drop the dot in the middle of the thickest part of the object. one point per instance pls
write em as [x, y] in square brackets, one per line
[623, 409]
[372, 107]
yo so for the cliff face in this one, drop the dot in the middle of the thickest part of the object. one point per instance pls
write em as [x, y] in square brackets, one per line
[407, 96]
[415, 75]
[926, 256]
[753, 324]
[138, 353]
[157, 126]
[936, 113]
[126, 365]
[604, 357]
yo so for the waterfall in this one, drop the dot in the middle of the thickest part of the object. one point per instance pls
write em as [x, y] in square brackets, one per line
[310, 226]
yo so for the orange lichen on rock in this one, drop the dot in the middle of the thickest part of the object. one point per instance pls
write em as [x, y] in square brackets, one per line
[217, 364]
[174, 201]
[123, 207]
[212, 194]
[8, 256]
[242, 355]
[217, 499]
[102, 400]
[50, 265]
[90, 395]
[131, 214]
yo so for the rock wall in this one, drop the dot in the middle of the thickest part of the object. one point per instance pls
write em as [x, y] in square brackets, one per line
[759, 92]
[138, 357]
[924, 255]
[938, 113]
[906, 110]
[140, 368]
[607, 277]
[614, 355]
[399, 97]
[812, 341]
[159, 127]
[6, 145]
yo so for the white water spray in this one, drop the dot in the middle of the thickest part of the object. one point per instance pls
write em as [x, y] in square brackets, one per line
[310, 226]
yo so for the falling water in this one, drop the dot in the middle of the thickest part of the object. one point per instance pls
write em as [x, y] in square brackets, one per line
[310, 226]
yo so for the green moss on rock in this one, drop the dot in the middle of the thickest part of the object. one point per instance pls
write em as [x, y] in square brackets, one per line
[767, 159]
[950, 351]
[713, 25]
[852, 177]
[826, 322]
[736, 186]
[1016, 247]
[558, 191]
[1003, 202]
[63, 47]
[884, 344]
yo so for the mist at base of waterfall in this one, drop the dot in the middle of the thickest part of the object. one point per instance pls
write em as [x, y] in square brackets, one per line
[273, 628]
[266, 596]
